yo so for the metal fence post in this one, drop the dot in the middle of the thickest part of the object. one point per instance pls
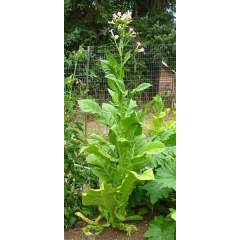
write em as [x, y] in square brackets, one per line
[87, 73]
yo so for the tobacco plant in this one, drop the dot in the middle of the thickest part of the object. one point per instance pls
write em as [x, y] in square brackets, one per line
[124, 158]
[163, 127]
[162, 124]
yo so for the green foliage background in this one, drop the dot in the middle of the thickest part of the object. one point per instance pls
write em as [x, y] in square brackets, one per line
[86, 21]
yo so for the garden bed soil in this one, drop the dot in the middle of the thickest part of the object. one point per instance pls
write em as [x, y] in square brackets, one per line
[108, 234]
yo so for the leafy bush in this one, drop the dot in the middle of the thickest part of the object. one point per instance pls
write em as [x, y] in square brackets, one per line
[76, 174]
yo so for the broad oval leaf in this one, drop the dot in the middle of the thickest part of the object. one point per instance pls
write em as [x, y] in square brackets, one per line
[94, 149]
[90, 106]
[166, 175]
[156, 191]
[150, 148]
[140, 88]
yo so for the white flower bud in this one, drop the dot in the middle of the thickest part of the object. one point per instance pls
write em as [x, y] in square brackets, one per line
[111, 31]
[119, 14]
[129, 14]
[141, 50]
[138, 44]
[124, 16]
[116, 37]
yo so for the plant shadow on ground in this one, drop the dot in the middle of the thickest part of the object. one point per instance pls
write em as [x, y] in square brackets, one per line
[108, 233]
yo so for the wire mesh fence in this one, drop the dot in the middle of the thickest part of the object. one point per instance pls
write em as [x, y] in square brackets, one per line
[157, 65]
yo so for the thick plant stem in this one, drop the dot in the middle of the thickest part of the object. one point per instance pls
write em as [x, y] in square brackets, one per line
[85, 219]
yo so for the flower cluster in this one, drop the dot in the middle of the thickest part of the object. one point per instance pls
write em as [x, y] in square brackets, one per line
[122, 21]
[119, 17]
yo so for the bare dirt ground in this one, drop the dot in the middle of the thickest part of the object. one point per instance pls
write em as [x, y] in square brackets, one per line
[108, 234]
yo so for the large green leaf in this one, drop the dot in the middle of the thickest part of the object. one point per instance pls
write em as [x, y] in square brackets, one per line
[130, 180]
[139, 143]
[130, 126]
[106, 107]
[110, 114]
[131, 107]
[102, 168]
[102, 197]
[161, 228]
[114, 95]
[150, 148]
[111, 66]
[113, 73]
[169, 154]
[140, 88]
[169, 137]
[90, 106]
[164, 183]
[166, 175]
[115, 83]
[95, 138]
[94, 149]
[138, 163]
[125, 151]
[143, 152]
[156, 191]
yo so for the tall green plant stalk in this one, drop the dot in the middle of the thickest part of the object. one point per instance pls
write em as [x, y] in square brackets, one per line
[122, 159]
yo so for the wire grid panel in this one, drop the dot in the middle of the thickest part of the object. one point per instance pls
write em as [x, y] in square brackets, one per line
[157, 65]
